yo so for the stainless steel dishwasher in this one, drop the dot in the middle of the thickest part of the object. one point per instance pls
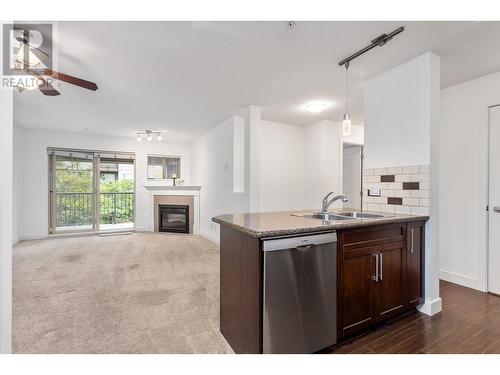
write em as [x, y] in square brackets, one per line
[300, 293]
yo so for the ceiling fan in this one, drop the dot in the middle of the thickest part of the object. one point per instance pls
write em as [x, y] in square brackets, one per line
[30, 59]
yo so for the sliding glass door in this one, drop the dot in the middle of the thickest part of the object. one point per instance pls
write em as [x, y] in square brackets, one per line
[90, 191]
[116, 193]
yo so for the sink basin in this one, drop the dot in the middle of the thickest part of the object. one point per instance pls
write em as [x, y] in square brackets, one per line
[340, 216]
[327, 217]
[361, 215]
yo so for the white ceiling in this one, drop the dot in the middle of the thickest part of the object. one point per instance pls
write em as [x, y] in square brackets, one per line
[186, 77]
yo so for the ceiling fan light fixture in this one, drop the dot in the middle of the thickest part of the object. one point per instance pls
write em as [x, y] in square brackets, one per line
[139, 138]
[160, 137]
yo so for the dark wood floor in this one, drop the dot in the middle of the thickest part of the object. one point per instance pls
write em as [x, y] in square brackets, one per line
[469, 323]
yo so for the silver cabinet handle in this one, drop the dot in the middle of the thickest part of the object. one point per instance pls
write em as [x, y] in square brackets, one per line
[381, 265]
[412, 240]
[375, 278]
[496, 209]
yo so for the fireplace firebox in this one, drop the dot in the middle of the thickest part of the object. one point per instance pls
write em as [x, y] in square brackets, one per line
[173, 218]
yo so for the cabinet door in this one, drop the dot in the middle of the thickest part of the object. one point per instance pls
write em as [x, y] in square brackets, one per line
[414, 262]
[357, 266]
[388, 289]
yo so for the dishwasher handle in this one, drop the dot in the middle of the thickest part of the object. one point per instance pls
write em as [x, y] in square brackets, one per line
[301, 242]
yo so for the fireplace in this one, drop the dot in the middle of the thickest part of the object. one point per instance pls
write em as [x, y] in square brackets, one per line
[173, 218]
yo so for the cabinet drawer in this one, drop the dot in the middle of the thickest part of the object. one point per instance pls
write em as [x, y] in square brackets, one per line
[373, 235]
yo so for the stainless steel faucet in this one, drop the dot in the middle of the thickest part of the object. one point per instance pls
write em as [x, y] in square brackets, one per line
[327, 203]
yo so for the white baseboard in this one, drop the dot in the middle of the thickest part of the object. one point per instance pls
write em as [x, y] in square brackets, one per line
[210, 237]
[33, 237]
[196, 229]
[431, 307]
[143, 230]
[460, 279]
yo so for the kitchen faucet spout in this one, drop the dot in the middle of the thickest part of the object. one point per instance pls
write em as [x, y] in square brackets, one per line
[327, 203]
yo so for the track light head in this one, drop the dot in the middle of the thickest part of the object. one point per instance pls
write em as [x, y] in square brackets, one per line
[148, 134]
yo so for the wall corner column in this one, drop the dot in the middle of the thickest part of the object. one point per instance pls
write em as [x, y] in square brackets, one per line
[6, 210]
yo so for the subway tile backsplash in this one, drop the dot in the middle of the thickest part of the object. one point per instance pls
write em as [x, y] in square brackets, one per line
[402, 190]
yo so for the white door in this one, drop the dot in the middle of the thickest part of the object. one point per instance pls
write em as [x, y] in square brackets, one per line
[494, 202]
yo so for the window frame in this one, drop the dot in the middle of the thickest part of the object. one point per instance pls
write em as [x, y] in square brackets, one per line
[164, 166]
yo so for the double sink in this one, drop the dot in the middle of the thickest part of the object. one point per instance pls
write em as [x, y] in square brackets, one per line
[330, 216]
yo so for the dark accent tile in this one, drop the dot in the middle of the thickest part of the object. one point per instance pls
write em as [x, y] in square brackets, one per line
[411, 185]
[387, 178]
[398, 201]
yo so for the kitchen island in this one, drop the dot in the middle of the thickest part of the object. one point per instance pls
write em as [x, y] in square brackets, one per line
[331, 278]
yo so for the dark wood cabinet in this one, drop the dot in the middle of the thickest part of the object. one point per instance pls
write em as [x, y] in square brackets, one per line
[415, 263]
[356, 273]
[380, 274]
[388, 287]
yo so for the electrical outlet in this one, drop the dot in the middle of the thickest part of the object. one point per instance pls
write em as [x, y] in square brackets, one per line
[374, 191]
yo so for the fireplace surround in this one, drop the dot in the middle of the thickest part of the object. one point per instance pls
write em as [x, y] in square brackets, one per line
[183, 195]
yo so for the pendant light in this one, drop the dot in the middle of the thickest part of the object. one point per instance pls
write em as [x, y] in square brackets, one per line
[379, 41]
[346, 122]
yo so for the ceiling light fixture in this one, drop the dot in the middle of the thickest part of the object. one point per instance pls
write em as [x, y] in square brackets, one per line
[316, 106]
[149, 135]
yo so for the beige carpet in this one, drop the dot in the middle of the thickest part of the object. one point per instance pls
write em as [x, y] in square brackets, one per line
[140, 293]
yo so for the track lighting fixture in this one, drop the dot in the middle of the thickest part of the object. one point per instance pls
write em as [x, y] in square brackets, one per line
[379, 41]
[148, 134]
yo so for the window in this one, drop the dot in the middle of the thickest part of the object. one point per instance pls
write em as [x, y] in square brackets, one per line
[161, 167]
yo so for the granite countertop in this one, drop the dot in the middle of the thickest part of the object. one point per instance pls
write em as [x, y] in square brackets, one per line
[276, 224]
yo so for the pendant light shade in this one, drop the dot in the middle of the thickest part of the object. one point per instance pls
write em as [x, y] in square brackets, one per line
[346, 121]
[346, 125]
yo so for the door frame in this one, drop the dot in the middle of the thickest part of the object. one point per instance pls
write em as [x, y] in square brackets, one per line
[52, 201]
[489, 204]
[96, 180]
[362, 156]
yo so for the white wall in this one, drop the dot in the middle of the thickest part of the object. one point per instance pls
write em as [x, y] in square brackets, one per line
[282, 168]
[6, 214]
[299, 165]
[397, 115]
[357, 136]
[212, 169]
[464, 180]
[402, 128]
[323, 162]
[287, 167]
[33, 213]
[17, 183]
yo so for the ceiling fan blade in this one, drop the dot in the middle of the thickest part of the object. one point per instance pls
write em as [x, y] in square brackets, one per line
[70, 79]
[47, 89]
[40, 55]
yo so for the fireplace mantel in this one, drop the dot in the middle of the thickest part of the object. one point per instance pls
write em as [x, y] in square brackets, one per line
[172, 188]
